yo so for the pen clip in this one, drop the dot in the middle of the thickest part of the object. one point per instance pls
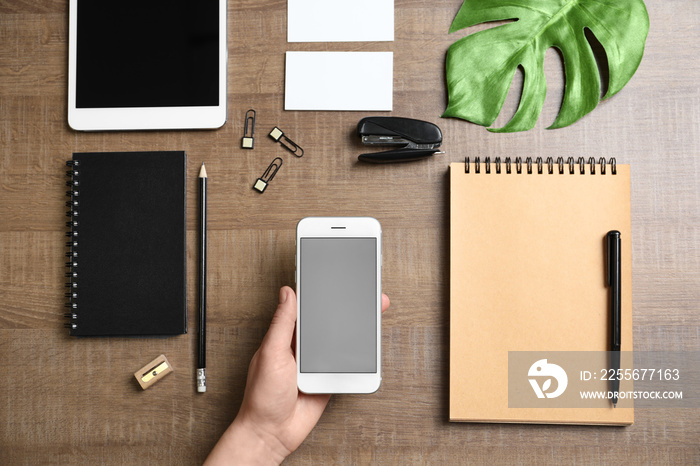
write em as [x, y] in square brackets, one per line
[614, 279]
[612, 243]
[608, 260]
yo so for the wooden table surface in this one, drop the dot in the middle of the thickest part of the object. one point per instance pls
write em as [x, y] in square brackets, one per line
[74, 401]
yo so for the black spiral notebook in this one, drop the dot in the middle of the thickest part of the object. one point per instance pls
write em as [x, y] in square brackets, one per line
[127, 267]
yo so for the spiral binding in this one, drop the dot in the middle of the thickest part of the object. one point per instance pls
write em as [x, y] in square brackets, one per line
[72, 265]
[540, 165]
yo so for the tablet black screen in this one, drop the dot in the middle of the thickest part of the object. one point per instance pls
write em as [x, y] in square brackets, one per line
[147, 53]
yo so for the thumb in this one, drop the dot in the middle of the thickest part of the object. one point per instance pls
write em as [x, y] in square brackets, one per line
[281, 329]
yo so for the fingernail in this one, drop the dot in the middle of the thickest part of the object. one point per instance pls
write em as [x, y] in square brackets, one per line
[283, 295]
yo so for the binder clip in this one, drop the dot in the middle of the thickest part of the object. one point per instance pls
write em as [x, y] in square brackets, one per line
[279, 136]
[153, 371]
[270, 173]
[248, 141]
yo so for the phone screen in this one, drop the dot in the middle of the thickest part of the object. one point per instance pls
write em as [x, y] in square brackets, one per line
[147, 54]
[338, 305]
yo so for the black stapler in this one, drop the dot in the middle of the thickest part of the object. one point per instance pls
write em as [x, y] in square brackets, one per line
[418, 139]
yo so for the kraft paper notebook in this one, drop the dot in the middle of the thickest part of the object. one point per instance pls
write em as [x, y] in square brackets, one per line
[127, 235]
[527, 274]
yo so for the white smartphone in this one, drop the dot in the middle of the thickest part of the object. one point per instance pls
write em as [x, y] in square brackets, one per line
[339, 300]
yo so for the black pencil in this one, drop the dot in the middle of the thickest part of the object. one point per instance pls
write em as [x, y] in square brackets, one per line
[202, 360]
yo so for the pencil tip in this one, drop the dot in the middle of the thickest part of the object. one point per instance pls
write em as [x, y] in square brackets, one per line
[203, 171]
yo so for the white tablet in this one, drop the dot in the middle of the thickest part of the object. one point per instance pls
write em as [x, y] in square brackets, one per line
[136, 65]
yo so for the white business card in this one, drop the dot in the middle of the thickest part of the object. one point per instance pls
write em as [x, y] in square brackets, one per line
[340, 20]
[361, 81]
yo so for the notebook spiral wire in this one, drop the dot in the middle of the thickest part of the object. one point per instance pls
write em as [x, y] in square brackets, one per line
[73, 204]
[541, 165]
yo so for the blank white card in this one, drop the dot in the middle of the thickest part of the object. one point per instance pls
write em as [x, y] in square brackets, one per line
[340, 20]
[360, 81]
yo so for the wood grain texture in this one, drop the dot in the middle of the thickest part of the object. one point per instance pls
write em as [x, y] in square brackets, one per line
[75, 401]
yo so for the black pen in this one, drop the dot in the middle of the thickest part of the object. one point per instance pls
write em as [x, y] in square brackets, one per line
[614, 276]
[202, 360]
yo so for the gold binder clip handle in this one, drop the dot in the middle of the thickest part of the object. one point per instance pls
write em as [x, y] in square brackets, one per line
[248, 141]
[269, 174]
[279, 136]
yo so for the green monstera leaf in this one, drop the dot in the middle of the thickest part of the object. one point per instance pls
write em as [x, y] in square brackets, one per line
[480, 67]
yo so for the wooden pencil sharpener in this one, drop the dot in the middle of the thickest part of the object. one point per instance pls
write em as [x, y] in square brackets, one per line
[153, 371]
